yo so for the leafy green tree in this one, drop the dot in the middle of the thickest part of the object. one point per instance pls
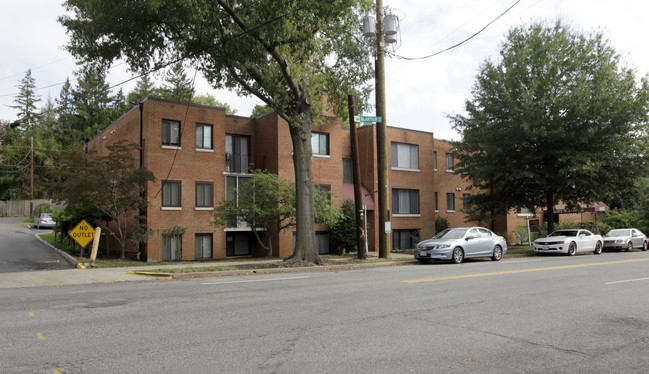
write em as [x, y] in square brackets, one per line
[557, 118]
[143, 89]
[111, 185]
[286, 53]
[176, 85]
[267, 203]
[26, 101]
[343, 232]
[260, 110]
[207, 99]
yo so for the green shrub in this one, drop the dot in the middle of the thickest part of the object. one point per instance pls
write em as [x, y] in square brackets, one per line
[441, 224]
[42, 208]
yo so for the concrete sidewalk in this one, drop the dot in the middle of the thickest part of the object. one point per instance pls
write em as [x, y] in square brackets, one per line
[142, 273]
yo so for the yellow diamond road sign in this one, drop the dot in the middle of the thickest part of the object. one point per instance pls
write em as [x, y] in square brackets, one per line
[83, 233]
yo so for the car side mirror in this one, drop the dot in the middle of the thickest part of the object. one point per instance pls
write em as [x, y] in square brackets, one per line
[469, 238]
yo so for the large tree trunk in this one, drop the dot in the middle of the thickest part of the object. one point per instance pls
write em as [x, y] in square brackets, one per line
[550, 211]
[305, 243]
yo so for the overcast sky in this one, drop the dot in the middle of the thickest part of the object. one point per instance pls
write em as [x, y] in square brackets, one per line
[420, 93]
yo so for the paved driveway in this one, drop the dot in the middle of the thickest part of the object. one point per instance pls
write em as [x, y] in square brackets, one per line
[20, 250]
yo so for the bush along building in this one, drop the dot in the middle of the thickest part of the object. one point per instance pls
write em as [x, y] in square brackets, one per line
[200, 155]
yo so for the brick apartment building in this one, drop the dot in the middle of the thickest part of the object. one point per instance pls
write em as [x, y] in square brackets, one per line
[199, 155]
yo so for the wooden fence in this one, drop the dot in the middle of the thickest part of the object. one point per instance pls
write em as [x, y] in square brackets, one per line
[20, 208]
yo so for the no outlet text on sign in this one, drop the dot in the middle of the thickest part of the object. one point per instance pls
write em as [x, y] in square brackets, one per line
[83, 233]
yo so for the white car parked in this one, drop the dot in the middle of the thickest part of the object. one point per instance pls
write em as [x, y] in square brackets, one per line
[625, 239]
[569, 242]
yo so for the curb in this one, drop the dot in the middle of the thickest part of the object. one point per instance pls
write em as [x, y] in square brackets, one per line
[228, 273]
[71, 260]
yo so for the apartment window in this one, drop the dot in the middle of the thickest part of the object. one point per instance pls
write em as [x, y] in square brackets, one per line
[203, 136]
[232, 183]
[466, 201]
[405, 156]
[434, 160]
[204, 195]
[171, 193]
[405, 201]
[203, 246]
[171, 133]
[450, 202]
[320, 143]
[237, 153]
[405, 239]
[171, 247]
[324, 188]
[348, 170]
[322, 242]
[436, 203]
[237, 244]
[450, 162]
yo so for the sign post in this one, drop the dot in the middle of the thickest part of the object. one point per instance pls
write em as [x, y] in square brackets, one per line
[532, 226]
[82, 233]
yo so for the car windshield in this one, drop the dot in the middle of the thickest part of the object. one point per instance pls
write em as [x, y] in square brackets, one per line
[564, 233]
[619, 232]
[46, 215]
[451, 234]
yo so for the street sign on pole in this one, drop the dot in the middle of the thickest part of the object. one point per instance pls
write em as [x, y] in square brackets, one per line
[377, 119]
[83, 233]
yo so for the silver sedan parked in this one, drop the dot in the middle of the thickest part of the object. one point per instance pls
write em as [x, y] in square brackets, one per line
[625, 239]
[456, 244]
[44, 220]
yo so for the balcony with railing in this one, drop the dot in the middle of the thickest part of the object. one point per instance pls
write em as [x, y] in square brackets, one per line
[242, 163]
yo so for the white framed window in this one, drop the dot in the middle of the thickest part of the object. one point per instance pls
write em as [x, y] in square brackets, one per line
[203, 136]
[170, 133]
[405, 156]
[435, 160]
[203, 246]
[450, 162]
[320, 143]
[171, 247]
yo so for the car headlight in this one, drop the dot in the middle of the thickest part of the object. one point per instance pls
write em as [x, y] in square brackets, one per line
[443, 246]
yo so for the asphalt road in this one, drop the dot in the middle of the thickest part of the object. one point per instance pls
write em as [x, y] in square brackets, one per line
[582, 314]
[21, 251]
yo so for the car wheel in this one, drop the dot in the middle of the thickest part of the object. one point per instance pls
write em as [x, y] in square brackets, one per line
[572, 249]
[498, 254]
[598, 248]
[458, 255]
[644, 246]
[424, 260]
[629, 247]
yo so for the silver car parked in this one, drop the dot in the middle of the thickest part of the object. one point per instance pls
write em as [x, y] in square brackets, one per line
[44, 220]
[456, 244]
[625, 239]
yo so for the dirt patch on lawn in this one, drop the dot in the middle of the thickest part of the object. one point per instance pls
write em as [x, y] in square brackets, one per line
[297, 264]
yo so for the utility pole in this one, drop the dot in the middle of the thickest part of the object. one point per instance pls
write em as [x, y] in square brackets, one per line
[381, 136]
[31, 177]
[358, 199]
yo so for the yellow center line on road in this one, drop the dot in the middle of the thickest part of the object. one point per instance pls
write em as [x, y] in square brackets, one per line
[520, 271]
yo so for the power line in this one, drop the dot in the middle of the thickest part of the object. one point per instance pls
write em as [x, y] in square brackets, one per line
[458, 44]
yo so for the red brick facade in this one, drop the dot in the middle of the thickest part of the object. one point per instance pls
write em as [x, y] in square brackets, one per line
[418, 175]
